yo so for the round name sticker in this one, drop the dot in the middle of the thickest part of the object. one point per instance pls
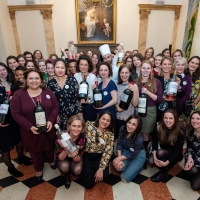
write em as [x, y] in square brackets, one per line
[66, 86]
[47, 96]
[105, 93]
[184, 82]
[132, 149]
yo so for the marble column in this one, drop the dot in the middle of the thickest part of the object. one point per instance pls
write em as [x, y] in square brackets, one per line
[177, 14]
[144, 13]
[16, 36]
[48, 27]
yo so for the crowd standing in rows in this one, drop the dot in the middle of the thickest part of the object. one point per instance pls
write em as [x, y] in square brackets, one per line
[55, 84]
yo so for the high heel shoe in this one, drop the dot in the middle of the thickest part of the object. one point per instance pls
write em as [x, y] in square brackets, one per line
[67, 180]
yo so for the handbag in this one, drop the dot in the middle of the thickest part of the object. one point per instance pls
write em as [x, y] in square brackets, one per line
[188, 107]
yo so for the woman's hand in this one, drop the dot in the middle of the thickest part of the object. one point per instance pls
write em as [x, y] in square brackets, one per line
[77, 158]
[49, 126]
[161, 163]
[93, 87]
[189, 164]
[1, 125]
[83, 101]
[144, 90]
[118, 108]
[117, 160]
[34, 130]
[132, 88]
[99, 175]
[178, 80]
[58, 119]
[73, 154]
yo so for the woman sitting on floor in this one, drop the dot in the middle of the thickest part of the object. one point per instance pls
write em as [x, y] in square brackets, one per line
[171, 141]
[130, 149]
[192, 164]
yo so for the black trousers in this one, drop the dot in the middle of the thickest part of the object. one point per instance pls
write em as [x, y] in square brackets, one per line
[90, 166]
[89, 113]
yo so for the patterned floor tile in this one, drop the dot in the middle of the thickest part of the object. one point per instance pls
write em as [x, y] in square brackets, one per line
[100, 191]
[28, 172]
[155, 191]
[17, 191]
[57, 182]
[1, 189]
[180, 189]
[41, 192]
[8, 181]
[139, 179]
[13, 154]
[49, 173]
[175, 170]
[127, 191]
[113, 179]
[149, 172]
[75, 192]
[31, 182]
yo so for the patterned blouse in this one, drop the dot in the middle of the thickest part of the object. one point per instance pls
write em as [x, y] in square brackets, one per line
[80, 144]
[193, 148]
[99, 143]
[67, 99]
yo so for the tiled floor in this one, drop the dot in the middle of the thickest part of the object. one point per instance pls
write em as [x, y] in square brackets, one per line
[177, 187]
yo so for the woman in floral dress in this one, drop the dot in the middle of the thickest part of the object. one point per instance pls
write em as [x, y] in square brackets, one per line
[65, 87]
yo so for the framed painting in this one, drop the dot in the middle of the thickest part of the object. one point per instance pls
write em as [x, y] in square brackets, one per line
[96, 25]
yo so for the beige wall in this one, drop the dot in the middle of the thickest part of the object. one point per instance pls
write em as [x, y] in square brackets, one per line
[31, 30]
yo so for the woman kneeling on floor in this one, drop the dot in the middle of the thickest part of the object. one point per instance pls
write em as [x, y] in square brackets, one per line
[192, 164]
[130, 149]
[73, 163]
[171, 141]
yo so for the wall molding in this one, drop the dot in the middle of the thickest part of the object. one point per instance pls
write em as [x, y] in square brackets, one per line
[144, 10]
[46, 11]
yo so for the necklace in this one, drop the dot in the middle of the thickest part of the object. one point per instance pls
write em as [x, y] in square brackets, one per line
[33, 99]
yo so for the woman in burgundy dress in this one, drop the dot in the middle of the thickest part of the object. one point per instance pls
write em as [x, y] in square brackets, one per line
[23, 104]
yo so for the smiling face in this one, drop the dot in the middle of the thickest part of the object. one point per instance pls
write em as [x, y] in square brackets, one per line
[60, 69]
[50, 69]
[193, 64]
[30, 65]
[72, 67]
[3, 72]
[29, 57]
[131, 125]
[166, 66]
[104, 121]
[169, 120]
[19, 76]
[167, 53]
[149, 53]
[83, 66]
[12, 64]
[195, 121]
[42, 67]
[125, 74]
[104, 71]
[75, 128]
[33, 80]
[146, 70]
[21, 61]
[94, 59]
[158, 60]
[180, 66]
[177, 55]
[152, 61]
[107, 58]
[129, 62]
[38, 55]
[136, 61]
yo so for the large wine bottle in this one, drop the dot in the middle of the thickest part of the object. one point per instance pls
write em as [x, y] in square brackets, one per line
[40, 117]
[97, 96]
[83, 90]
[142, 105]
[4, 110]
[66, 140]
[126, 98]
[172, 88]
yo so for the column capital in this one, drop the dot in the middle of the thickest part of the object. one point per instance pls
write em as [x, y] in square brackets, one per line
[12, 14]
[47, 13]
[177, 13]
[144, 13]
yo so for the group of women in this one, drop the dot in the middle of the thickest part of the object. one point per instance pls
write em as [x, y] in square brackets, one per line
[94, 130]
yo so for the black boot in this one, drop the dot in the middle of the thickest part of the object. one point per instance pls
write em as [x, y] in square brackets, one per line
[162, 176]
[25, 160]
[12, 170]
[67, 180]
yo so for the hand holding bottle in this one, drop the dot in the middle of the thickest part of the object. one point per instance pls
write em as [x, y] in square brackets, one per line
[118, 108]
[49, 126]
[34, 130]
[144, 90]
[132, 88]
[178, 80]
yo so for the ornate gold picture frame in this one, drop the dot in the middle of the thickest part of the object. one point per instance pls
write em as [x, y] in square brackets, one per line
[96, 25]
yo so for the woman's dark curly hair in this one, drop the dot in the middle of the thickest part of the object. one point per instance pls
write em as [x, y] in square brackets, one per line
[87, 58]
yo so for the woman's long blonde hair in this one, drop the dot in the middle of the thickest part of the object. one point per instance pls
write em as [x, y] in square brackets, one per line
[151, 85]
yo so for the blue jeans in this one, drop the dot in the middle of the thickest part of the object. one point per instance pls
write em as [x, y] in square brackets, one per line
[132, 167]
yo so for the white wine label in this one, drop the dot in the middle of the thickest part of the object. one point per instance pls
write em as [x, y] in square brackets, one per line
[98, 97]
[172, 87]
[83, 89]
[142, 105]
[66, 136]
[4, 108]
[64, 143]
[40, 119]
[124, 97]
